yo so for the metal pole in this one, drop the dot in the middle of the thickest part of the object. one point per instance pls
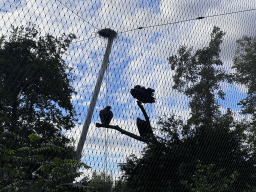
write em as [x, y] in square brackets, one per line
[96, 91]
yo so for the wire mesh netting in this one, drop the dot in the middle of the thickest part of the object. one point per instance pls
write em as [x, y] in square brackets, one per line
[178, 75]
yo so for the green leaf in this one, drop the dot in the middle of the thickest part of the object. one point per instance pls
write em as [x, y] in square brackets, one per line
[33, 137]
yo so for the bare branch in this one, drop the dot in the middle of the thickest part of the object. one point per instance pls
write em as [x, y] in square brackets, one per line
[139, 138]
[147, 119]
[143, 111]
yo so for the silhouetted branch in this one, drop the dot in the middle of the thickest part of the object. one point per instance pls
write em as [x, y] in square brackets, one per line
[143, 111]
[147, 119]
[122, 131]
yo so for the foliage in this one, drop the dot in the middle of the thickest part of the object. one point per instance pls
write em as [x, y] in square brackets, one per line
[101, 182]
[121, 186]
[35, 106]
[206, 180]
[34, 82]
[209, 136]
[199, 76]
[162, 169]
[244, 65]
[28, 168]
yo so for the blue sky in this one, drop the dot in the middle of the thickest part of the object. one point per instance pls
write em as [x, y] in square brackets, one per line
[137, 57]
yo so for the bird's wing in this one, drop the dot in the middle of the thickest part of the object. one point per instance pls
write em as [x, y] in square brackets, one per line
[109, 116]
[102, 115]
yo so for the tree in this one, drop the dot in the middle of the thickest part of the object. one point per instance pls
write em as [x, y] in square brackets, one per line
[205, 180]
[245, 74]
[101, 182]
[35, 106]
[121, 186]
[199, 76]
[38, 169]
[34, 84]
[208, 136]
[244, 64]
[163, 169]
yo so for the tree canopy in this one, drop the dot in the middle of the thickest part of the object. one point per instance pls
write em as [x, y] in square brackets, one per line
[35, 106]
[245, 71]
[199, 76]
[34, 84]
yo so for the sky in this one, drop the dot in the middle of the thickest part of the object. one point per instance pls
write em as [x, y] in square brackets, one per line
[138, 57]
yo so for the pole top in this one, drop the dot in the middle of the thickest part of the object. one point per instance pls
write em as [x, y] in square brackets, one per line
[107, 33]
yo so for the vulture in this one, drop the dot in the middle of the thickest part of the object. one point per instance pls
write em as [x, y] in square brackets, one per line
[106, 115]
[142, 94]
[144, 128]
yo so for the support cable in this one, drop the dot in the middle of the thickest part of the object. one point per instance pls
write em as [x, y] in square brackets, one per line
[77, 14]
[182, 21]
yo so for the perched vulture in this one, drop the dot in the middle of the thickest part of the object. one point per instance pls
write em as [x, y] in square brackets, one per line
[144, 128]
[142, 94]
[106, 115]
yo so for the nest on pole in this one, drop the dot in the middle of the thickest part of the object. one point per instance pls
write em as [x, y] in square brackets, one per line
[107, 33]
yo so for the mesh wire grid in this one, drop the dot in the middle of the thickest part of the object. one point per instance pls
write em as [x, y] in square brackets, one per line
[148, 33]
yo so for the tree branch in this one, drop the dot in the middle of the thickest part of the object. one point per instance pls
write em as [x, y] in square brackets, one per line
[143, 111]
[139, 138]
[147, 120]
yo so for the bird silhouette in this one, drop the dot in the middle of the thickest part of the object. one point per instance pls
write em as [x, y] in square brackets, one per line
[142, 94]
[106, 115]
[144, 128]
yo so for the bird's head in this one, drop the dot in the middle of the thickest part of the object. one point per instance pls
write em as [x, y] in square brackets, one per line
[108, 108]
